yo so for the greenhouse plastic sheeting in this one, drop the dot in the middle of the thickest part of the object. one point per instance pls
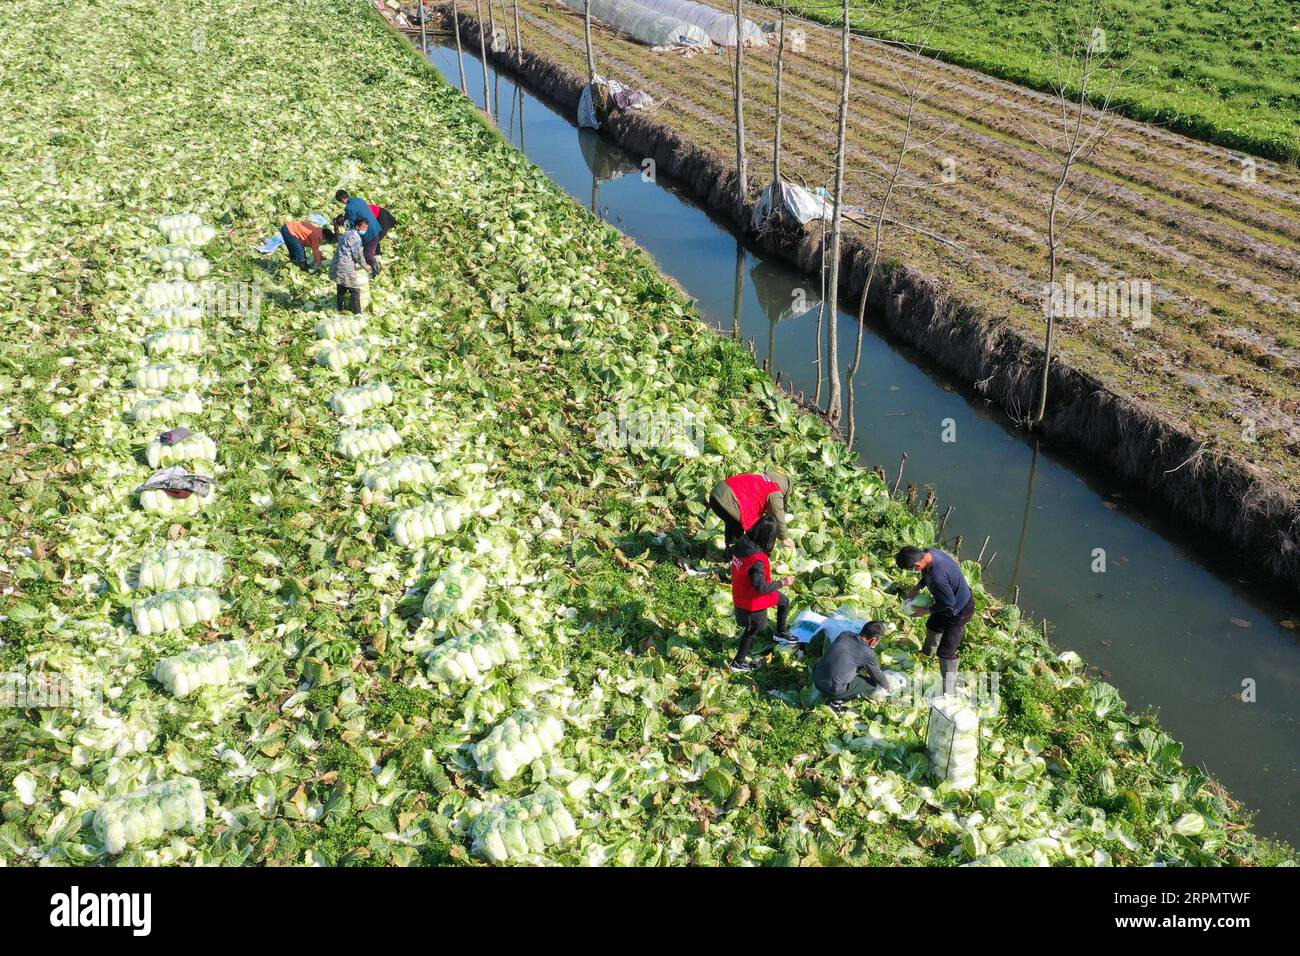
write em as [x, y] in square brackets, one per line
[721, 27]
[646, 25]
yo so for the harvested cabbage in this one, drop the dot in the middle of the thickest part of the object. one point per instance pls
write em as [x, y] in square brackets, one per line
[175, 610]
[149, 813]
[209, 664]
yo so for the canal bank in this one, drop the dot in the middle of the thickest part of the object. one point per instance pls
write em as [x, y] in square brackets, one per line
[1158, 621]
[1248, 508]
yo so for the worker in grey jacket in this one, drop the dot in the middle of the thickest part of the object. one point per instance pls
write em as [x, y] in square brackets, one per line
[349, 261]
[836, 674]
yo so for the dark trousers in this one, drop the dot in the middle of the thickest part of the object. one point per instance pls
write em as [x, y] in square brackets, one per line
[858, 687]
[370, 249]
[950, 628]
[347, 299]
[731, 526]
[753, 622]
[297, 251]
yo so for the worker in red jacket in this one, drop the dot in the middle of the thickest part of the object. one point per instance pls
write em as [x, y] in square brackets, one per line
[741, 500]
[753, 591]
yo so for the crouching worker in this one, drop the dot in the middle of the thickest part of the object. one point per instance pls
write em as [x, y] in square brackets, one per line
[954, 605]
[742, 500]
[345, 270]
[753, 591]
[300, 236]
[836, 674]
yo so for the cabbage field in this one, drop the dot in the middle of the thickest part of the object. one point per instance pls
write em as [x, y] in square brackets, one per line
[430, 612]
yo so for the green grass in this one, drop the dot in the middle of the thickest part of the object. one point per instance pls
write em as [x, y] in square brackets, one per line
[1226, 71]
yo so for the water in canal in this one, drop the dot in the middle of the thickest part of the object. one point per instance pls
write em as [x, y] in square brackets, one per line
[1162, 622]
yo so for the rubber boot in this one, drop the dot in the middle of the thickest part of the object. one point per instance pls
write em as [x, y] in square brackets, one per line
[949, 671]
[931, 642]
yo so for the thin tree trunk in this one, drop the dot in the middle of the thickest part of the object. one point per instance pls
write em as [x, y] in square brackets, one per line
[519, 36]
[776, 136]
[836, 408]
[482, 52]
[821, 311]
[777, 208]
[492, 23]
[742, 170]
[739, 292]
[496, 92]
[460, 53]
[871, 269]
[591, 51]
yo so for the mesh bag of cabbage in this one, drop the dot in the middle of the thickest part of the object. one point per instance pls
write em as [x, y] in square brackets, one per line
[149, 813]
[952, 742]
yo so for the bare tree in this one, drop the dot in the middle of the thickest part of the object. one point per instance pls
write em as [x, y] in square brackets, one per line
[1080, 57]
[460, 53]
[591, 51]
[742, 166]
[492, 25]
[482, 52]
[835, 405]
[519, 36]
[777, 201]
[918, 88]
[821, 314]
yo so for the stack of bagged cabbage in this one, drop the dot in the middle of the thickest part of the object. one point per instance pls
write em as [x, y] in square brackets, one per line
[359, 398]
[175, 610]
[149, 813]
[454, 592]
[370, 440]
[181, 567]
[952, 743]
[523, 827]
[208, 665]
[404, 472]
[470, 657]
[438, 516]
[517, 741]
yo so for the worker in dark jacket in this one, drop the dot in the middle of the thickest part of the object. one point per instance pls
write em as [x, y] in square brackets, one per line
[741, 500]
[355, 208]
[753, 591]
[836, 674]
[954, 605]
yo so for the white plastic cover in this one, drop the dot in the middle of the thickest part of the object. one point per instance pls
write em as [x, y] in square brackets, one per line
[721, 27]
[644, 24]
[587, 118]
[799, 203]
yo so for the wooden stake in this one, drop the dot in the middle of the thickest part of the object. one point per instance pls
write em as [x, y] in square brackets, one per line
[899, 480]
[944, 523]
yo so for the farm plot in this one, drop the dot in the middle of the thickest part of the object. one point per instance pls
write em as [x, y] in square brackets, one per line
[433, 612]
[1227, 73]
[1217, 240]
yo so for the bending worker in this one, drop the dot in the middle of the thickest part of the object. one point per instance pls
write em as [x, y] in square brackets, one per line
[742, 499]
[836, 674]
[954, 605]
[753, 591]
[299, 236]
[356, 209]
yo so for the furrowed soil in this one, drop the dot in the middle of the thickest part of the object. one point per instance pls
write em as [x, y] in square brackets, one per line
[1214, 372]
[1228, 73]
